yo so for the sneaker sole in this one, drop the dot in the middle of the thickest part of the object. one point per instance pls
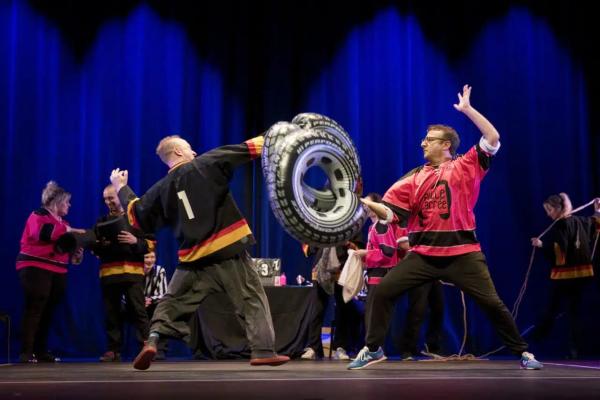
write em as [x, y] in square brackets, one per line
[144, 359]
[370, 363]
[257, 362]
[531, 368]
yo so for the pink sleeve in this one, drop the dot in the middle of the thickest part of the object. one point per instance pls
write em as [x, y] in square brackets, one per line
[399, 194]
[475, 163]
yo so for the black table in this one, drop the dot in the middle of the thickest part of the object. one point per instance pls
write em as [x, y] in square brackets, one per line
[218, 334]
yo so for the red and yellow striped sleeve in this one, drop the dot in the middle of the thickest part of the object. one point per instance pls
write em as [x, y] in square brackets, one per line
[131, 213]
[255, 146]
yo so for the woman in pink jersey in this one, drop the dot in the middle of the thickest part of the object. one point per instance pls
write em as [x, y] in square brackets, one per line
[42, 270]
[386, 246]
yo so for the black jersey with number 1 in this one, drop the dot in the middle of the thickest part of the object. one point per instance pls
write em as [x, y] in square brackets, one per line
[194, 199]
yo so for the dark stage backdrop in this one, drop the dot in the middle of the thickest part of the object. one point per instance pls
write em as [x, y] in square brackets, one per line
[82, 93]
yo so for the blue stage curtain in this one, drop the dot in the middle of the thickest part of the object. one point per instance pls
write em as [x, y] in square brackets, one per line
[74, 120]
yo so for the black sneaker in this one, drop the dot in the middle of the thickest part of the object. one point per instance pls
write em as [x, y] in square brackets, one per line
[27, 358]
[47, 357]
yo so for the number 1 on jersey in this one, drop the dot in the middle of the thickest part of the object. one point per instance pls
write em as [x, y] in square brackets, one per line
[186, 204]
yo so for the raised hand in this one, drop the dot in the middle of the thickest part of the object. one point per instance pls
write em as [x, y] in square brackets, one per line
[119, 178]
[464, 99]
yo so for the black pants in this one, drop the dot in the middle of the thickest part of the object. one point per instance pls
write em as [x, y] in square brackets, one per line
[567, 291]
[43, 291]
[469, 272]
[113, 294]
[429, 295]
[190, 286]
[347, 319]
[316, 324]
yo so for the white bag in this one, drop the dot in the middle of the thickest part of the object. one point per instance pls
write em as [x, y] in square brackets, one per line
[351, 277]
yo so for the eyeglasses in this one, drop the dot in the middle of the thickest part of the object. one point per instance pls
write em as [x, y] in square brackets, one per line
[430, 139]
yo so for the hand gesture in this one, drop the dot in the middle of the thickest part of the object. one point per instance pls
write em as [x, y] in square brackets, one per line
[535, 242]
[119, 178]
[379, 209]
[75, 230]
[367, 202]
[77, 256]
[464, 100]
[352, 246]
[126, 238]
[361, 253]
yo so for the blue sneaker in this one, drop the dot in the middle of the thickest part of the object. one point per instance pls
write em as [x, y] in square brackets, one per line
[366, 358]
[528, 361]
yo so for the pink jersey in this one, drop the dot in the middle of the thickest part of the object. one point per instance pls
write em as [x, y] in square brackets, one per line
[382, 246]
[437, 204]
[41, 231]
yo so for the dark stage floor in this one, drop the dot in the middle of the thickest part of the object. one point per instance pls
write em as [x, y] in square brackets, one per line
[301, 380]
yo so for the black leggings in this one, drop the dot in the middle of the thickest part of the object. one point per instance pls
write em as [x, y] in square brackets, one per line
[43, 291]
[567, 291]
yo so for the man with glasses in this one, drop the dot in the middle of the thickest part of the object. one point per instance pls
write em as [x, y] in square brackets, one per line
[435, 201]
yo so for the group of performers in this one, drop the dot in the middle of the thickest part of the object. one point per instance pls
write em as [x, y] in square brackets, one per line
[431, 206]
[132, 284]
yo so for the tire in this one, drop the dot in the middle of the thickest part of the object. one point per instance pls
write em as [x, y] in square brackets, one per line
[321, 122]
[273, 138]
[318, 217]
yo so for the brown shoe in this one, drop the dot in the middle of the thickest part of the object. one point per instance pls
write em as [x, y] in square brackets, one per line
[110, 356]
[272, 361]
[144, 359]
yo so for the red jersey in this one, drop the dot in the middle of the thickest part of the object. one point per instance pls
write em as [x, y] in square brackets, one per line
[436, 203]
